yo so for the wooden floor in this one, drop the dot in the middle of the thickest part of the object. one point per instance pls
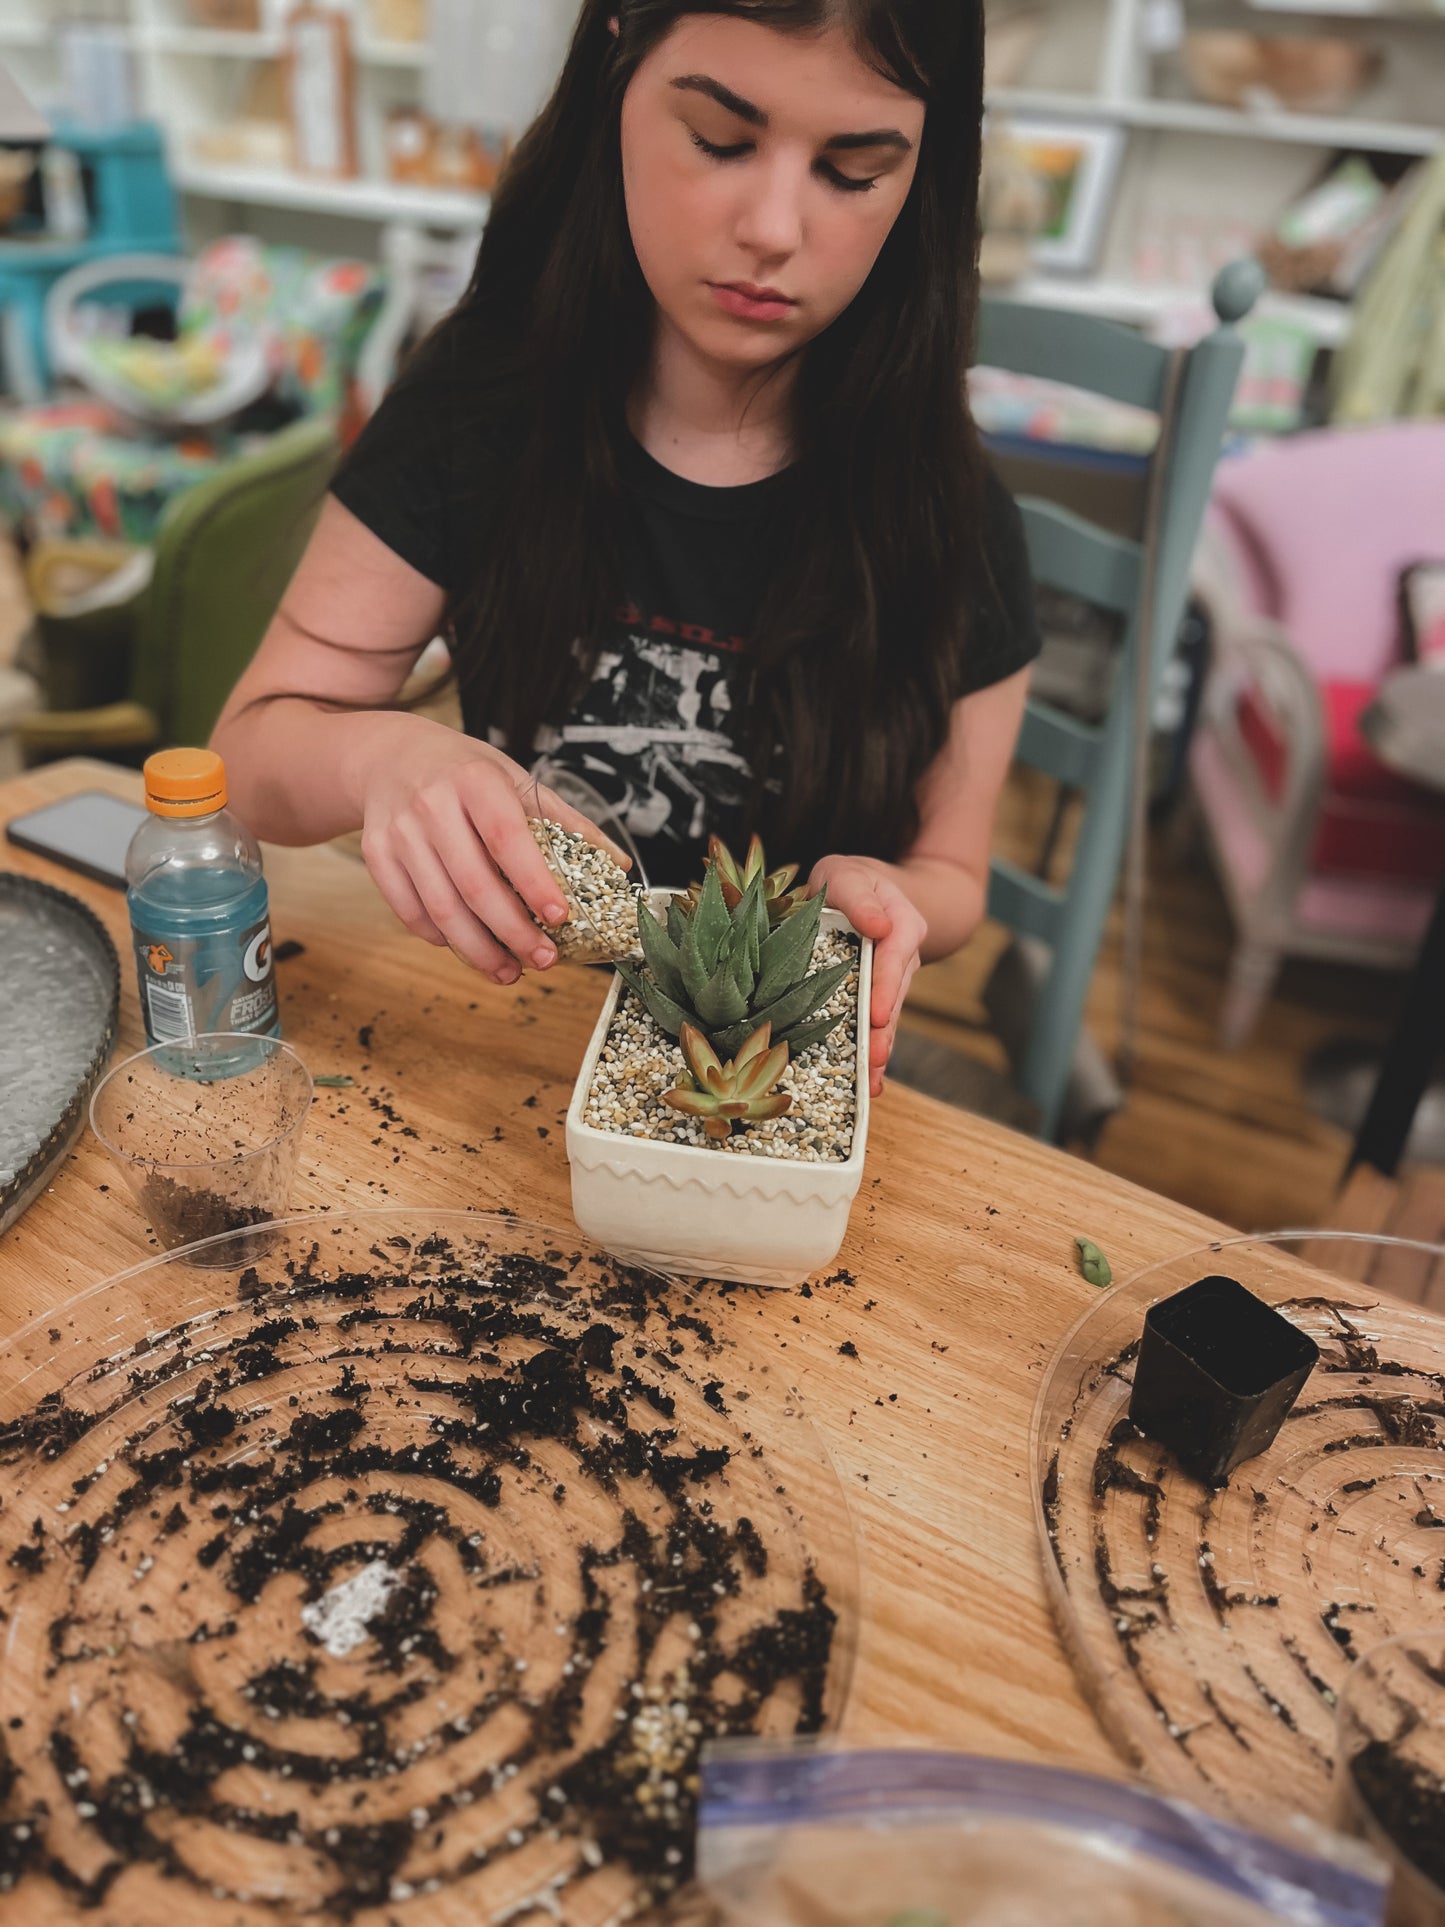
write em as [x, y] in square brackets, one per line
[1227, 1133]
[1411, 1208]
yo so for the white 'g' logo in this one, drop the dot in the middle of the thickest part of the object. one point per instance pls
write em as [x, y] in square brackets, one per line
[257, 960]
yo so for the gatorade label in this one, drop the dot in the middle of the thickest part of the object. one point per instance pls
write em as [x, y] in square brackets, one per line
[225, 982]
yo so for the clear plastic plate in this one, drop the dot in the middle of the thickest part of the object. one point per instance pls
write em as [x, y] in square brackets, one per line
[394, 1574]
[1213, 1630]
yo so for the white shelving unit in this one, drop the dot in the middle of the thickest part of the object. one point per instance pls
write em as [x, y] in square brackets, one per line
[365, 200]
[1200, 181]
[195, 79]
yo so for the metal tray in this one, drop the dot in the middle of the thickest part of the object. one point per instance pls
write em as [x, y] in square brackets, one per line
[59, 1003]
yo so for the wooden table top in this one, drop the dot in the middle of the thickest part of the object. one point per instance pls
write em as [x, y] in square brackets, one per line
[960, 1261]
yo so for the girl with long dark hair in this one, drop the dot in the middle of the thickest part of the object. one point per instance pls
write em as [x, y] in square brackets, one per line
[689, 481]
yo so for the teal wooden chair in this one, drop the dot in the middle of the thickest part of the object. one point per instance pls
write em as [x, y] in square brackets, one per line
[1143, 582]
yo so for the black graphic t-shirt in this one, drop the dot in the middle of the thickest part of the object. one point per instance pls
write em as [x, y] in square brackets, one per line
[660, 731]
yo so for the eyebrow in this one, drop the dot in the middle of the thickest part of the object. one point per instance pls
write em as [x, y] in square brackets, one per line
[747, 111]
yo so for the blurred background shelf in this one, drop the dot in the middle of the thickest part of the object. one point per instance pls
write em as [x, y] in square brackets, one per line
[1206, 160]
[212, 43]
[1142, 304]
[364, 199]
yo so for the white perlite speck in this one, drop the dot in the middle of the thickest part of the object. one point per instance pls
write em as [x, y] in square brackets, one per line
[639, 1061]
[340, 1618]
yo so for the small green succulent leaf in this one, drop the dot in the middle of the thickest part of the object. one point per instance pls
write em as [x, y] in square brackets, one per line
[734, 958]
[811, 1031]
[663, 958]
[711, 922]
[772, 1105]
[1093, 1264]
[676, 923]
[787, 953]
[758, 1077]
[756, 1046]
[728, 1041]
[702, 1060]
[803, 999]
[762, 926]
[745, 924]
[721, 1002]
[694, 966]
[721, 859]
[660, 1007]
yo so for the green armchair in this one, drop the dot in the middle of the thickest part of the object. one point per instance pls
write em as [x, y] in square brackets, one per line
[158, 668]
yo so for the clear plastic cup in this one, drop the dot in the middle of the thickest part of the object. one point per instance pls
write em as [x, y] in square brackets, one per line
[1390, 1769]
[207, 1131]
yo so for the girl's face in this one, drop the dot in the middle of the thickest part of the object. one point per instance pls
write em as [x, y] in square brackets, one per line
[763, 173]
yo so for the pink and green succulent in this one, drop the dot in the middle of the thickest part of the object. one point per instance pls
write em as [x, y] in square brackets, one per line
[742, 1091]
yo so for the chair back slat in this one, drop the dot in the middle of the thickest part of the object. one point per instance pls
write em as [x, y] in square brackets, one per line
[1077, 349]
[1068, 553]
[1059, 745]
[1025, 903]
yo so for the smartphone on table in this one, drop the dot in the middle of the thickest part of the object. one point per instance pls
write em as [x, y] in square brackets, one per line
[90, 833]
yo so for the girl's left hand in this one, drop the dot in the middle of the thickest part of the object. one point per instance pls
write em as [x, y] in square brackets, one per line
[874, 902]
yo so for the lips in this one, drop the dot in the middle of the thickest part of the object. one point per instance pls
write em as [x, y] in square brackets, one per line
[746, 302]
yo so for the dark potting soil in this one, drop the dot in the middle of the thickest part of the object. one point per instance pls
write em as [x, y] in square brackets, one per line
[1408, 1802]
[252, 1514]
[190, 1212]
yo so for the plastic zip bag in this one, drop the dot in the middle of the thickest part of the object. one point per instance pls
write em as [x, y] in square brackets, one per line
[816, 1836]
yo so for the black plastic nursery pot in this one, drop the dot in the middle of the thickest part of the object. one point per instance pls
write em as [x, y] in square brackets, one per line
[1218, 1372]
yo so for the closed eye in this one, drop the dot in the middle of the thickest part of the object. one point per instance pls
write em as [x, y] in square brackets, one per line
[717, 153]
[845, 183]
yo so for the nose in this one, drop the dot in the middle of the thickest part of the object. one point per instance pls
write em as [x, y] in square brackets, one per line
[770, 214]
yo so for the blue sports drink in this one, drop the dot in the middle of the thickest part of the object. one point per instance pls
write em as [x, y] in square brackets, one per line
[199, 912]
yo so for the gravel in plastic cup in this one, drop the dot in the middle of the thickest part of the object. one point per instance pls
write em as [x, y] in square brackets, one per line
[1390, 1769]
[207, 1131]
[602, 900]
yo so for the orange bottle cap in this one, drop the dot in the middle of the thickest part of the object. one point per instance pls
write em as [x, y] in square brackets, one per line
[185, 782]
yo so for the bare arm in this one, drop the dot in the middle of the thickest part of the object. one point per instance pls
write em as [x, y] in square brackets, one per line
[351, 625]
[930, 904]
[311, 752]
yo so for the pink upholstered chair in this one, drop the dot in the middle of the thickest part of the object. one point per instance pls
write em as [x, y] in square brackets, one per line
[1323, 851]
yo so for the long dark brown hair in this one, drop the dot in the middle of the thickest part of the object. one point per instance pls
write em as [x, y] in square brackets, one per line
[858, 650]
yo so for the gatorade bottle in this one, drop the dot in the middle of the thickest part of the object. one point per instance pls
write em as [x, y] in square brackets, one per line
[198, 906]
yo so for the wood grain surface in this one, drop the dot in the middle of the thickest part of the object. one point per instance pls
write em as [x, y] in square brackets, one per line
[956, 1282]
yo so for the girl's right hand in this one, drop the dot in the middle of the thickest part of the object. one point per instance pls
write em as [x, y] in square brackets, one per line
[446, 838]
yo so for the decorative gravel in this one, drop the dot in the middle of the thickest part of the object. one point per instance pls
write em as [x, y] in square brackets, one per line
[639, 1061]
[602, 923]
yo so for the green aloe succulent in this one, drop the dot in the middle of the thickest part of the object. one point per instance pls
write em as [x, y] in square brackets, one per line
[727, 971]
[738, 1092]
[778, 892]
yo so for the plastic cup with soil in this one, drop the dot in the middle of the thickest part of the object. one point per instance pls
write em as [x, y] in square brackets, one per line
[1390, 1769]
[1218, 1372]
[207, 1132]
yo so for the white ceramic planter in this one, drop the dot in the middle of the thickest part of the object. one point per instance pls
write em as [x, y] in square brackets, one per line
[715, 1214]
